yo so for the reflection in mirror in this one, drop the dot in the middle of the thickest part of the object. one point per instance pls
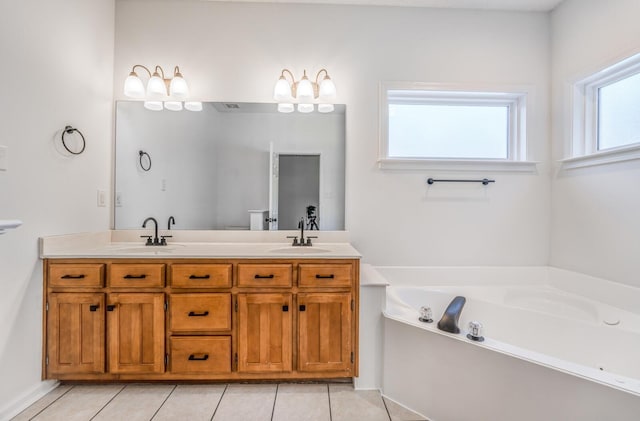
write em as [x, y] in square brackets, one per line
[231, 166]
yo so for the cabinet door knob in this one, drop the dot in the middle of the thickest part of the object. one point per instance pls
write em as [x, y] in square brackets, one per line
[111, 307]
[303, 307]
[94, 307]
[285, 308]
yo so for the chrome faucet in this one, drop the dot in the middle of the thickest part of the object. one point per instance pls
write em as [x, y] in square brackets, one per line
[156, 240]
[449, 320]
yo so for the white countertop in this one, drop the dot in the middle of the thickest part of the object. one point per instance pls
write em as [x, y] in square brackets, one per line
[100, 245]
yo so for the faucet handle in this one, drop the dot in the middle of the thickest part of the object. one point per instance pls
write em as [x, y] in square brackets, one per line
[163, 241]
[309, 237]
[148, 237]
[295, 240]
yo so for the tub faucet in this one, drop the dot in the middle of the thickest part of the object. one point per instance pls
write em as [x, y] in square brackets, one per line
[449, 320]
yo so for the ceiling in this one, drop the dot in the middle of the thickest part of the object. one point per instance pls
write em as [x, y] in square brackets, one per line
[521, 5]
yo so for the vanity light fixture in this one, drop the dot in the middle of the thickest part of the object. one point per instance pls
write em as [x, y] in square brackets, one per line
[305, 92]
[161, 92]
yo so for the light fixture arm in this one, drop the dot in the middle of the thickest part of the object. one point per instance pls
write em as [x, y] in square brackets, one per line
[326, 74]
[133, 69]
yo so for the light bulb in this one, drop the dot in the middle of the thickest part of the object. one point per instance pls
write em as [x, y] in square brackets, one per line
[285, 108]
[282, 90]
[178, 88]
[173, 105]
[153, 105]
[304, 91]
[133, 87]
[325, 108]
[327, 90]
[305, 108]
[193, 105]
[156, 89]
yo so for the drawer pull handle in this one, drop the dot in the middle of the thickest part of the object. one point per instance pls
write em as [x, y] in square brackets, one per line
[192, 357]
[73, 277]
[264, 276]
[194, 314]
[303, 308]
[94, 307]
[135, 276]
[199, 277]
[318, 276]
[111, 307]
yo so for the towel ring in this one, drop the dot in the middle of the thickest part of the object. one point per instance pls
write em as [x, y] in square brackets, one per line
[143, 153]
[70, 130]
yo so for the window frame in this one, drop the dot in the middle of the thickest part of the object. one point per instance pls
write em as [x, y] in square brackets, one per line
[514, 98]
[584, 104]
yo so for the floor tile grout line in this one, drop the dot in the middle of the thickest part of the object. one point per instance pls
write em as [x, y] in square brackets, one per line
[163, 402]
[329, 397]
[110, 400]
[275, 398]
[226, 386]
[386, 407]
[50, 403]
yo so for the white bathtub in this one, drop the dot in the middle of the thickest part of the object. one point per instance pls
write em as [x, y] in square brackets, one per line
[548, 354]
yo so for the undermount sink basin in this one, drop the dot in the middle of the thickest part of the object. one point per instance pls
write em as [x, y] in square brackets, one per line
[147, 249]
[299, 250]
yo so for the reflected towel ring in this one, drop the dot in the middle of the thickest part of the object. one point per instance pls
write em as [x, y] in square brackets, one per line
[70, 130]
[143, 153]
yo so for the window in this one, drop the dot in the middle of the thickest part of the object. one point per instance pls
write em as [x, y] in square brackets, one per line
[424, 124]
[606, 110]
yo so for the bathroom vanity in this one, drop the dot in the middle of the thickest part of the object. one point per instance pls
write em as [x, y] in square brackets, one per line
[201, 312]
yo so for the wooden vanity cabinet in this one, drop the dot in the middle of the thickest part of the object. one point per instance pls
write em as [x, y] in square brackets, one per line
[200, 319]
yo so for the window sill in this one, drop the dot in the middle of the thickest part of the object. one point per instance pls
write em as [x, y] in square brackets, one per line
[457, 165]
[602, 158]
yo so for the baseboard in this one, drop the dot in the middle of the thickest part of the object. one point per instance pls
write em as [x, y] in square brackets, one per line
[21, 403]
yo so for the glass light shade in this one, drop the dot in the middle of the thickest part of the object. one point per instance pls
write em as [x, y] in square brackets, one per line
[179, 88]
[285, 108]
[193, 105]
[133, 86]
[327, 90]
[156, 89]
[325, 108]
[282, 90]
[153, 105]
[305, 108]
[304, 92]
[173, 105]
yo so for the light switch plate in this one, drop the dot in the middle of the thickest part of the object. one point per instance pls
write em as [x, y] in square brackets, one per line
[3, 158]
[102, 198]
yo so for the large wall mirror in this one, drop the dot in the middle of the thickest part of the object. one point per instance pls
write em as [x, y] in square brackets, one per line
[231, 166]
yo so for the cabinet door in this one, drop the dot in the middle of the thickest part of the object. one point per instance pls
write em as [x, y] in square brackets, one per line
[75, 336]
[135, 332]
[324, 332]
[264, 333]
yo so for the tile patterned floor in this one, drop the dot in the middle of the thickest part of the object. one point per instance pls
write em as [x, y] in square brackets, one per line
[232, 402]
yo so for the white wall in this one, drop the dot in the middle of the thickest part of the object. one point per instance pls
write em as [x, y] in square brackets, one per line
[595, 227]
[57, 64]
[234, 52]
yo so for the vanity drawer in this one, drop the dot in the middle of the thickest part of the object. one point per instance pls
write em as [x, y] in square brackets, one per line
[200, 312]
[325, 275]
[200, 354]
[200, 275]
[265, 275]
[76, 275]
[149, 275]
